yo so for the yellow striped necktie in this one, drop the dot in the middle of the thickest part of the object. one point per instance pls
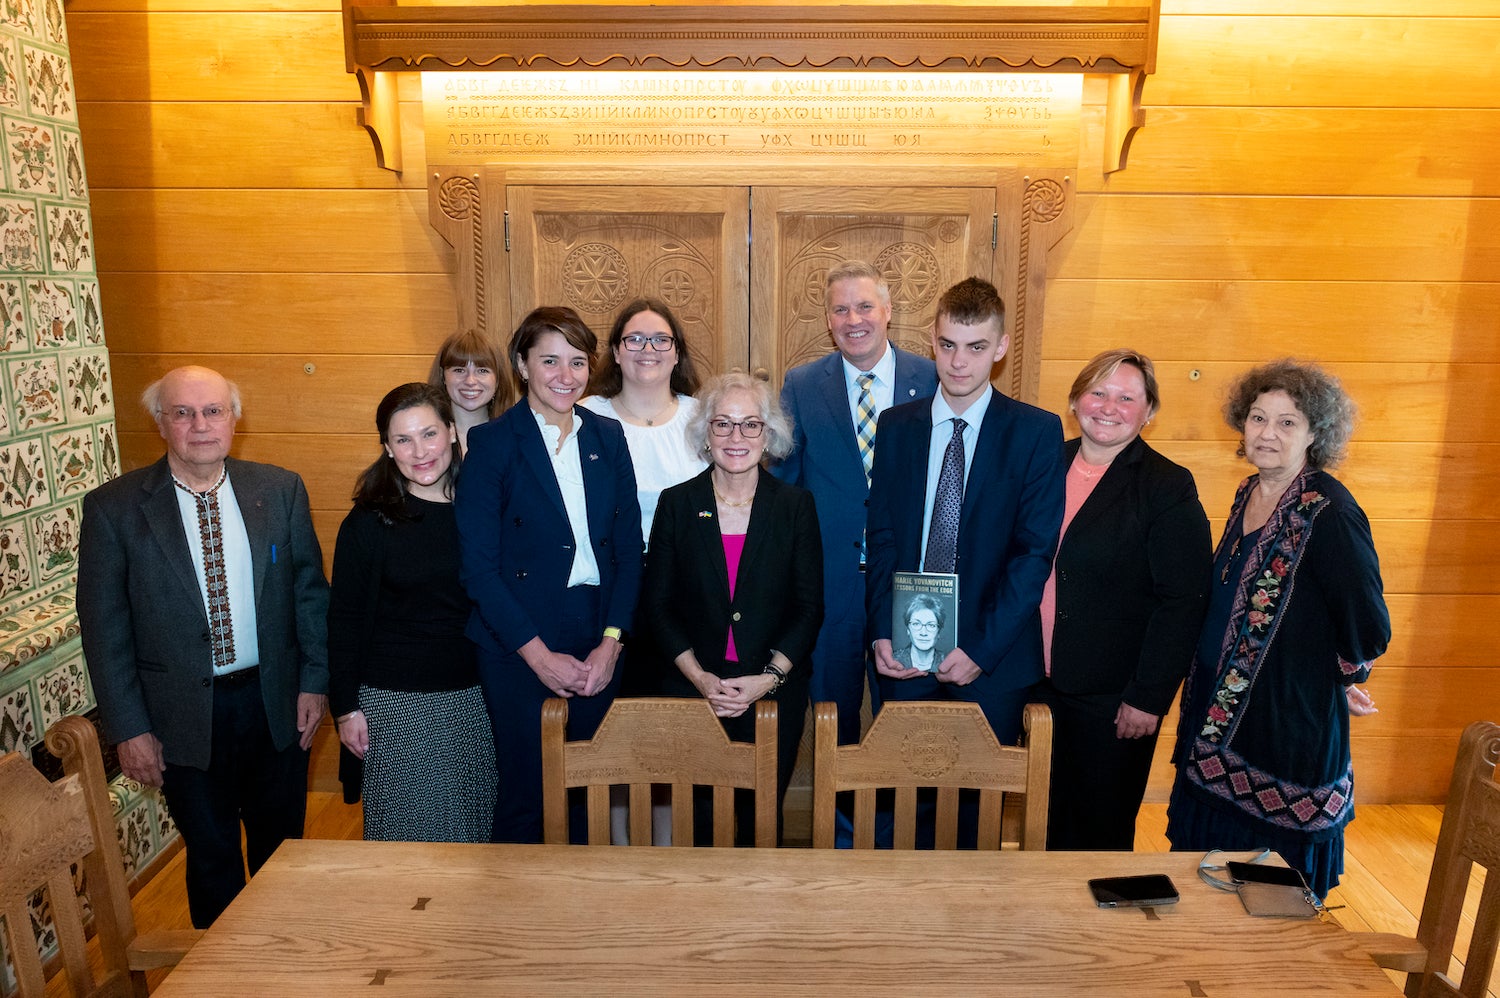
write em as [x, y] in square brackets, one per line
[864, 422]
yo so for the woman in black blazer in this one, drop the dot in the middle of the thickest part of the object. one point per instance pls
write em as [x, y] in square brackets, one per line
[734, 574]
[1122, 610]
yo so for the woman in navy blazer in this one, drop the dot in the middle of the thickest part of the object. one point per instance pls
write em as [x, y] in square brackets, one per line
[734, 574]
[550, 530]
[1123, 607]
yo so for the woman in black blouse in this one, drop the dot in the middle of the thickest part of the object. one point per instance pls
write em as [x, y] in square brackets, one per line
[403, 684]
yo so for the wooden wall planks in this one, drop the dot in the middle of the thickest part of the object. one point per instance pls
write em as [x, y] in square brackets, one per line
[1316, 177]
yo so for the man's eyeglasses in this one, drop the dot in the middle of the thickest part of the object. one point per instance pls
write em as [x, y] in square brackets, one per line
[635, 342]
[749, 428]
[186, 414]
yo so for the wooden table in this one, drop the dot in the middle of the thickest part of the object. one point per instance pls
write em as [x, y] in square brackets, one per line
[331, 919]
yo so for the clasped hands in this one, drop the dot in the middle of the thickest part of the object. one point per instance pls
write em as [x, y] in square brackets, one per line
[956, 667]
[732, 697]
[567, 676]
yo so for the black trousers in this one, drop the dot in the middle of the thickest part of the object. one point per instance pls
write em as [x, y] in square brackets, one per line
[248, 781]
[1098, 780]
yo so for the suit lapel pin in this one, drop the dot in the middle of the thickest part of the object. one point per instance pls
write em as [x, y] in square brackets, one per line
[704, 514]
[593, 457]
[911, 393]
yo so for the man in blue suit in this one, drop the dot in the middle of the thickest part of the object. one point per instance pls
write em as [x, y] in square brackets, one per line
[834, 403]
[968, 482]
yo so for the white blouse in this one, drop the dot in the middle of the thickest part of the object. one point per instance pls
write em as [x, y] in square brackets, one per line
[660, 453]
[568, 468]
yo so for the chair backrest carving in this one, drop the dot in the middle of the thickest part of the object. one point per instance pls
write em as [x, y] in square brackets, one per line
[946, 746]
[649, 741]
[45, 829]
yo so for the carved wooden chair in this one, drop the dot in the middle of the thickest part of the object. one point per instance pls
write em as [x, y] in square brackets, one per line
[948, 746]
[1470, 834]
[658, 740]
[46, 827]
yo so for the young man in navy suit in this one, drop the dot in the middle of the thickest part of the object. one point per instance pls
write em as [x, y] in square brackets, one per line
[834, 403]
[986, 506]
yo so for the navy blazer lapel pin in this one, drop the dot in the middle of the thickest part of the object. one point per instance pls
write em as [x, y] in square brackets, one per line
[593, 457]
[911, 393]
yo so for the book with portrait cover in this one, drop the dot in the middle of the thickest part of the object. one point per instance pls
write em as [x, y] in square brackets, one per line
[924, 618]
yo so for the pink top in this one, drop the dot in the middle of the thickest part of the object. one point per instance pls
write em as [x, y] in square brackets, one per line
[734, 547]
[1082, 477]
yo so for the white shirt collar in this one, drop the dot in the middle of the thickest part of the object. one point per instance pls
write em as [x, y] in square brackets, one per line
[884, 369]
[972, 416]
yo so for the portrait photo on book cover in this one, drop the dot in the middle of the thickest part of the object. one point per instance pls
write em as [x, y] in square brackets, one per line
[924, 617]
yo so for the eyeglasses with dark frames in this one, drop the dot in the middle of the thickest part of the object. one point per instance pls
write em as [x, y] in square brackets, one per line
[749, 428]
[636, 342]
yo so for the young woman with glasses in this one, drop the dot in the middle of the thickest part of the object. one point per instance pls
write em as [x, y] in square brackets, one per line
[646, 381]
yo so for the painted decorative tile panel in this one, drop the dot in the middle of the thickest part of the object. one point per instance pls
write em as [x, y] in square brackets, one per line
[74, 467]
[21, 16]
[23, 477]
[134, 827]
[49, 84]
[36, 392]
[18, 727]
[13, 338]
[90, 394]
[62, 691]
[54, 27]
[90, 325]
[58, 437]
[72, 238]
[16, 575]
[30, 157]
[109, 452]
[20, 236]
[54, 538]
[70, 160]
[10, 72]
[54, 318]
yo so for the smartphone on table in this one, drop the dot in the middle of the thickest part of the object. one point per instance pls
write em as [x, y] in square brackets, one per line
[1264, 873]
[1146, 891]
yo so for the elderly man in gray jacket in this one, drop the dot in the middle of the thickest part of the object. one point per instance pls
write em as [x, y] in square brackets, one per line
[203, 607]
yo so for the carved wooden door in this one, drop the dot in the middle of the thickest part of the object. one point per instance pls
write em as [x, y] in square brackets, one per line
[596, 248]
[745, 303]
[923, 239]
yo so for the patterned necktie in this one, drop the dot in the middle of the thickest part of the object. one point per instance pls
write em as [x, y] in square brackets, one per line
[942, 536]
[215, 574]
[864, 422]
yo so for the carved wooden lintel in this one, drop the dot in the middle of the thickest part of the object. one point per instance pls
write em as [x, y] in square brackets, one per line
[1120, 41]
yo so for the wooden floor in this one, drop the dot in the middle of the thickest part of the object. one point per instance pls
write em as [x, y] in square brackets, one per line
[1388, 853]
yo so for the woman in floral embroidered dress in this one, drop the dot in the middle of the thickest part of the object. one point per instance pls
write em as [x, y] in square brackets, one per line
[1296, 617]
